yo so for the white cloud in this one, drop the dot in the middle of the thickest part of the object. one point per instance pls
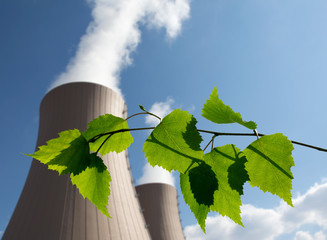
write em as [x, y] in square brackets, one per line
[157, 174]
[114, 34]
[160, 109]
[302, 235]
[310, 209]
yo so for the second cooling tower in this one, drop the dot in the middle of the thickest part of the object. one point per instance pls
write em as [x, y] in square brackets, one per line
[160, 208]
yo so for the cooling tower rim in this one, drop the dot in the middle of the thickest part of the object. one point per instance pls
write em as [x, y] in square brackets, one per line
[154, 183]
[55, 85]
[72, 83]
[65, 85]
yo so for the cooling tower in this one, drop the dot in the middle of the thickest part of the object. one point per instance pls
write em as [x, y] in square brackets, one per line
[49, 206]
[160, 209]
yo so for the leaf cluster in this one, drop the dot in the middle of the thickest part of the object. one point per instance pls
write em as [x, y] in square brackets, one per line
[72, 153]
[211, 181]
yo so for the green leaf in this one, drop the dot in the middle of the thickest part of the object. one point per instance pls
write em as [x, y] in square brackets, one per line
[70, 153]
[269, 162]
[66, 154]
[200, 211]
[93, 183]
[216, 111]
[175, 143]
[108, 123]
[227, 163]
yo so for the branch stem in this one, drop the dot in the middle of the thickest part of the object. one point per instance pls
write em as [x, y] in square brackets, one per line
[136, 114]
[103, 143]
[211, 141]
[204, 131]
[119, 131]
[261, 135]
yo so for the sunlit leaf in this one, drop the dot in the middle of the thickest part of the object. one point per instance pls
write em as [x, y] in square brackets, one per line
[269, 162]
[104, 124]
[216, 111]
[175, 143]
[93, 183]
[200, 211]
[66, 154]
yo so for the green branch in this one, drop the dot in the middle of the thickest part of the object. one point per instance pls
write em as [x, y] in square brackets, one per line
[205, 131]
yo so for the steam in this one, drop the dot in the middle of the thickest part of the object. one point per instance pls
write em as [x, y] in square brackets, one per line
[114, 34]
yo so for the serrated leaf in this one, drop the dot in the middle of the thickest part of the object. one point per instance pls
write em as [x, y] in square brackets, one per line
[269, 162]
[108, 123]
[175, 143]
[66, 154]
[94, 183]
[200, 211]
[227, 163]
[216, 111]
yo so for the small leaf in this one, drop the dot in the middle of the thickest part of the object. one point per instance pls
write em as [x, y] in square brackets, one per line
[93, 183]
[175, 143]
[200, 211]
[216, 111]
[227, 163]
[108, 123]
[269, 162]
[66, 154]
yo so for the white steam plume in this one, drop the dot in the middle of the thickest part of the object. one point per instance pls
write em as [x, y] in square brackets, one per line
[114, 34]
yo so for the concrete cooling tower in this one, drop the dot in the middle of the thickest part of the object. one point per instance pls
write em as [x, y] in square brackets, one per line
[49, 206]
[160, 208]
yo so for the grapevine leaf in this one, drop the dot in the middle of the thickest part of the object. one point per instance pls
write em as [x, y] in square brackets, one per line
[66, 154]
[216, 111]
[200, 211]
[203, 184]
[175, 143]
[94, 183]
[269, 162]
[227, 162]
[108, 123]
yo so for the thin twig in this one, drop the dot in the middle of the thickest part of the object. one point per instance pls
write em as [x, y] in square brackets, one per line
[118, 131]
[261, 135]
[229, 134]
[103, 143]
[256, 133]
[310, 146]
[135, 115]
[143, 109]
[211, 141]
[154, 115]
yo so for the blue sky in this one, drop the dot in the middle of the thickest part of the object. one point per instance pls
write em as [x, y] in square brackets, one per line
[267, 59]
